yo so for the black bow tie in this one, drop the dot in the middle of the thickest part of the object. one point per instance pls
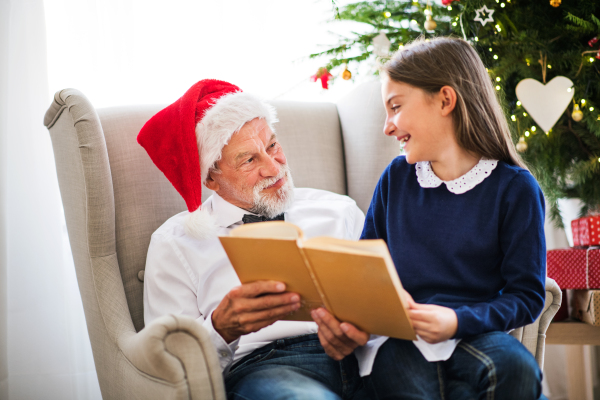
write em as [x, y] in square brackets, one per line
[250, 219]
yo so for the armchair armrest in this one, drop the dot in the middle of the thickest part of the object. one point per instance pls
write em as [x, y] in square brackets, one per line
[553, 302]
[533, 336]
[175, 349]
[551, 309]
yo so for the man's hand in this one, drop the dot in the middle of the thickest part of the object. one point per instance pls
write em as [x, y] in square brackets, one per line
[251, 307]
[432, 323]
[338, 339]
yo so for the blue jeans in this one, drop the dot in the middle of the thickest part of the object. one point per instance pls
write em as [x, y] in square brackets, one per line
[490, 366]
[293, 368]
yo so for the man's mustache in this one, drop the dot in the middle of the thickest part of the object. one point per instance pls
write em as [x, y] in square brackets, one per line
[265, 183]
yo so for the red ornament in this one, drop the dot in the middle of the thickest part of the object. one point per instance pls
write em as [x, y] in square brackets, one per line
[598, 55]
[593, 41]
[322, 74]
[448, 2]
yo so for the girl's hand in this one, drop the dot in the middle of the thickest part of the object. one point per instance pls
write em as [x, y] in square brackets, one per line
[432, 323]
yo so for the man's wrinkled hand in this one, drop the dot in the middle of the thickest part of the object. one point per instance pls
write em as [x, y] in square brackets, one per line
[252, 306]
[338, 339]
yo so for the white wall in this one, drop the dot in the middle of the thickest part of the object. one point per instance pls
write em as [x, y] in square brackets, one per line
[150, 51]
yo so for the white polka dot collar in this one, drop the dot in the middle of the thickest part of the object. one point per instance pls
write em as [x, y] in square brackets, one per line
[428, 179]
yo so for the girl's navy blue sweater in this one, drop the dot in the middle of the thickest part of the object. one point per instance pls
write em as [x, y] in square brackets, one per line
[481, 253]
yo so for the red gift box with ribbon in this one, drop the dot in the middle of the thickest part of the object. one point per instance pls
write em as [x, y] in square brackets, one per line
[575, 268]
[589, 231]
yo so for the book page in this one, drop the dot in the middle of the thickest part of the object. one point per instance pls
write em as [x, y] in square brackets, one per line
[268, 230]
[372, 247]
[365, 247]
[274, 259]
[363, 290]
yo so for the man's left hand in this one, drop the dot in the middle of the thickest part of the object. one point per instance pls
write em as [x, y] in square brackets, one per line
[338, 339]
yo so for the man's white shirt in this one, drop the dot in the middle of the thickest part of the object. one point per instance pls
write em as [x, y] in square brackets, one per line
[186, 276]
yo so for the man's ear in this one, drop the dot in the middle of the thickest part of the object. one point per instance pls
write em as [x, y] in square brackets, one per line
[210, 183]
[448, 98]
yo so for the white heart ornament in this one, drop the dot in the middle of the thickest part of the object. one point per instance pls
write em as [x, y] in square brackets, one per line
[545, 103]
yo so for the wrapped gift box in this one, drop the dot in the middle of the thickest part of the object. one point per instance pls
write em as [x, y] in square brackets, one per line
[575, 268]
[586, 306]
[589, 231]
[575, 231]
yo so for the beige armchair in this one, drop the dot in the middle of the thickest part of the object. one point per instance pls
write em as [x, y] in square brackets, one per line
[114, 198]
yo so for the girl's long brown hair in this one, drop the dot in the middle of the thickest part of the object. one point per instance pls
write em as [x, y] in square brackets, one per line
[479, 122]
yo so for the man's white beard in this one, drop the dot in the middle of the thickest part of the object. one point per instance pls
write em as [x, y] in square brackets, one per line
[272, 205]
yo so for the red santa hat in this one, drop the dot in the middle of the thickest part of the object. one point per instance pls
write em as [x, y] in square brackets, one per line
[185, 139]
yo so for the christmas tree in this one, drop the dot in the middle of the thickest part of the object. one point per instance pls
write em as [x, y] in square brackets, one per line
[516, 39]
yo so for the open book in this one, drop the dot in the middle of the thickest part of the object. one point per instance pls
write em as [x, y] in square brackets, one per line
[356, 281]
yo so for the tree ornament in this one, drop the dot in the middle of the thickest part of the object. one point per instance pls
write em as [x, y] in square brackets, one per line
[381, 45]
[593, 41]
[555, 3]
[447, 2]
[577, 115]
[545, 103]
[346, 74]
[484, 12]
[522, 145]
[430, 23]
[324, 75]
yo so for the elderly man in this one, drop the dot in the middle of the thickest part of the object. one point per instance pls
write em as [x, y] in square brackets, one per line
[219, 136]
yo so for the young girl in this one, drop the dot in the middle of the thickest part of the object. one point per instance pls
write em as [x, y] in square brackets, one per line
[463, 219]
